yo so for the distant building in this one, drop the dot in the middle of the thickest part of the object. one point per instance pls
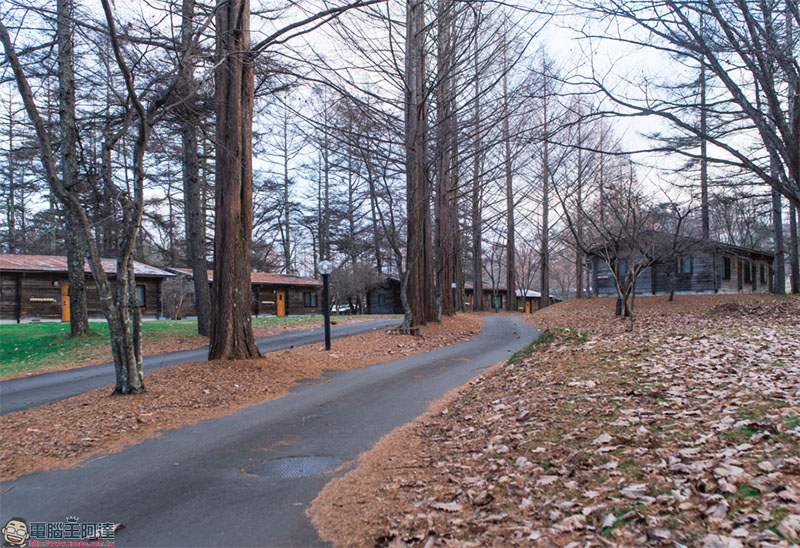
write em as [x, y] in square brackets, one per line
[528, 300]
[35, 287]
[385, 299]
[273, 294]
[699, 267]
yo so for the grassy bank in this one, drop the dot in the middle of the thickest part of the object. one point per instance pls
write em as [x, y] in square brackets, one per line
[33, 346]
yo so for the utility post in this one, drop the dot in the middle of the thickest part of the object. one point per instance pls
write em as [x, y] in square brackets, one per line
[325, 268]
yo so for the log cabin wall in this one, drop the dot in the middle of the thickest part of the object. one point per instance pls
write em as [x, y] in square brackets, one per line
[382, 301]
[386, 299]
[264, 299]
[699, 272]
[299, 299]
[304, 300]
[739, 274]
[528, 303]
[30, 296]
[488, 292]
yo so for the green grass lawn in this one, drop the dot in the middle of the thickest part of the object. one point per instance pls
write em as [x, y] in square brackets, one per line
[286, 321]
[30, 346]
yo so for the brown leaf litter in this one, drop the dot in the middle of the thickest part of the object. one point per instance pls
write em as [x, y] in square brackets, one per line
[61, 434]
[683, 433]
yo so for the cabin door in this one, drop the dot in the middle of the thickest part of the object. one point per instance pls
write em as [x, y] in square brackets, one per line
[64, 301]
[281, 296]
[527, 306]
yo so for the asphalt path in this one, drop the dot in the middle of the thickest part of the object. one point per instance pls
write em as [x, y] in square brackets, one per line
[188, 487]
[24, 392]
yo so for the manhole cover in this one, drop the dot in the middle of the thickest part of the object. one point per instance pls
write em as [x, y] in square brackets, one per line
[293, 467]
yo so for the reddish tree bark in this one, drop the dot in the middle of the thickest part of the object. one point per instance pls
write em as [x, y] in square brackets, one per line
[232, 329]
[420, 289]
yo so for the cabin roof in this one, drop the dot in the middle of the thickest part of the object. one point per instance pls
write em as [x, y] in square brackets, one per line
[266, 278]
[56, 263]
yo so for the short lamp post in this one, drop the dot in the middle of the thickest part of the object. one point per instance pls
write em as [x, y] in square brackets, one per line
[455, 302]
[325, 268]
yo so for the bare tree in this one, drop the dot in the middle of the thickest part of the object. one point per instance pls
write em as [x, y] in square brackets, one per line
[79, 312]
[192, 184]
[742, 45]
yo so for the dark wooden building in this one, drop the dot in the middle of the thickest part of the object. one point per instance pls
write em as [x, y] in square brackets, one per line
[386, 298]
[35, 287]
[703, 267]
[493, 297]
[273, 294]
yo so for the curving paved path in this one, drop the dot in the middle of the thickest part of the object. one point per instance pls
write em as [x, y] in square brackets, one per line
[24, 392]
[187, 488]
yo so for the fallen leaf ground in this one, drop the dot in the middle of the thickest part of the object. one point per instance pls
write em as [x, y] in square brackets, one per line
[61, 434]
[685, 432]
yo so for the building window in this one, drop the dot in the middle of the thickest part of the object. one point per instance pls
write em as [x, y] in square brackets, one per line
[497, 301]
[382, 300]
[748, 273]
[726, 268]
[140, 295]
[763, 270]
[685, 265]
[309, 299]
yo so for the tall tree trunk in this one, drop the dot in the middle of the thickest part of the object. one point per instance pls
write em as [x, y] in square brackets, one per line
[455, 228]
[420, 253]
[794, 214]
[704, 211]
[544, 266]
[79, 313]
[10, 205]
[794, 208]
[579, 214]
[194, 214]
[475, 216]
[232, 329]
[325, 204]
[373, 207]
[511, 251]
[287, 233]
[351, 213]
[444, 188]
[778, 264]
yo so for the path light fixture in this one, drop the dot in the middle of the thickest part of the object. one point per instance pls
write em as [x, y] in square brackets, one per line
[455, 302]
[325, 268]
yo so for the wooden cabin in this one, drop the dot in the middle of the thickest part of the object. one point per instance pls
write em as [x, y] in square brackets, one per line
[272, 294]
[386, 298]
[492, 297]
[529, 300]
[35, 288]
[703, 267]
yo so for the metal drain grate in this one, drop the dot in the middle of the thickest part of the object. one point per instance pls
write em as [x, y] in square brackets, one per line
[293, 467]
